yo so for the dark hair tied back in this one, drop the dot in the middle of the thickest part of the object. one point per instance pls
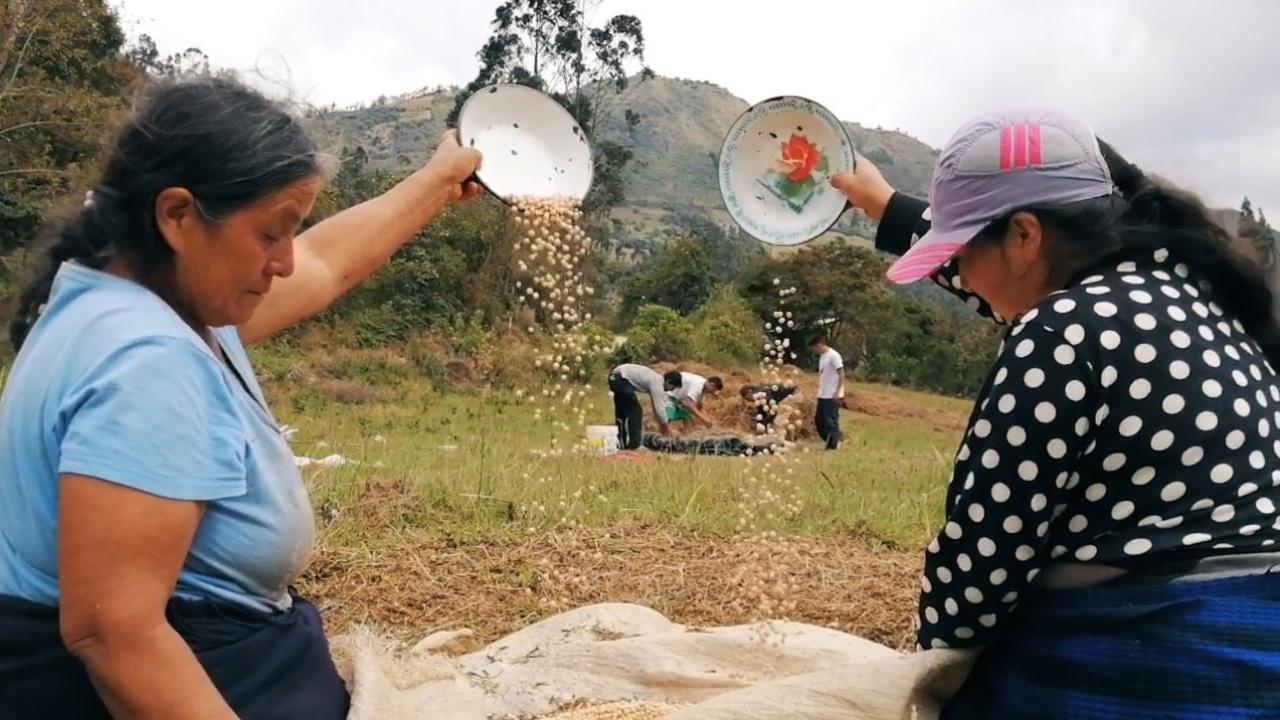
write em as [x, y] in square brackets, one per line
[225, 143]
[1161, 216]
[1146, 215]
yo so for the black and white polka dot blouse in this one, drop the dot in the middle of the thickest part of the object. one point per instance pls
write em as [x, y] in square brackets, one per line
[1128, 420]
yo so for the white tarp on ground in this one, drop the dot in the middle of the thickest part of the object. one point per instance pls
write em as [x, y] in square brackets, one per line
[613, 653]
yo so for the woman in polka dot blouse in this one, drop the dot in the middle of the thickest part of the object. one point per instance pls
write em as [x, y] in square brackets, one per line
[1111, 527]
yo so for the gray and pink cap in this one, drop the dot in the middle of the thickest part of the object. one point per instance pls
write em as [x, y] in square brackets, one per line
[997, 164]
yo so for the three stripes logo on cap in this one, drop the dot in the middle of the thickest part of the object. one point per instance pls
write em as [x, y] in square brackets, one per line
[1020, 147]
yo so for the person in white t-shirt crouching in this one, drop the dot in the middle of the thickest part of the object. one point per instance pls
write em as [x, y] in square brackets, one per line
[686, 400]
[830, 391]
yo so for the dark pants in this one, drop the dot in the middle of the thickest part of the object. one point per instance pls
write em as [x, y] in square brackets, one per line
[828, 421]
[627, 414]
[267, 667]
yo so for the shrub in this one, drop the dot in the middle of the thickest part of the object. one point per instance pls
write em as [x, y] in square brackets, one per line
[659, 334]
[725, 330]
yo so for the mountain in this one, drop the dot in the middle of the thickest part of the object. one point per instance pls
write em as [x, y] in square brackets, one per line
[397, 134]
[675, 146]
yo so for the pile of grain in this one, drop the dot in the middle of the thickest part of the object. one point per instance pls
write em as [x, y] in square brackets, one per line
[739, 416]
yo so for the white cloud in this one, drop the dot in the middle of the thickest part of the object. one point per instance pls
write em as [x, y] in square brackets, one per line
[323, 50]
[1183, 87]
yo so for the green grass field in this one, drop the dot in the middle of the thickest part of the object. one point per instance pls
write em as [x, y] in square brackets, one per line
[457, 512]
[481, 465]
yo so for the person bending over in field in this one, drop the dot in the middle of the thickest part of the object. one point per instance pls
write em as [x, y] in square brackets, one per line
[686, 400]
[625, 383]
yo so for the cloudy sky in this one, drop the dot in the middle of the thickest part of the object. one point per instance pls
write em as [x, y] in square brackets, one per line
[1189, 89]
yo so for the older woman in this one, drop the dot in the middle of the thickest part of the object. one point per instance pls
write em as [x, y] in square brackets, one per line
[1111, 521]
[151, 518]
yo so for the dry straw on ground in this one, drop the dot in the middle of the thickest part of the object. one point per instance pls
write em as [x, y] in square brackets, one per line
[422, 585]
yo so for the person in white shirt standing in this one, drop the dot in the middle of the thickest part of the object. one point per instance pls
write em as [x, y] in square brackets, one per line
[830, 391]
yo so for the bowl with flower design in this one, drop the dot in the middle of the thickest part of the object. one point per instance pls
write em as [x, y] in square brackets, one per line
[774, 166]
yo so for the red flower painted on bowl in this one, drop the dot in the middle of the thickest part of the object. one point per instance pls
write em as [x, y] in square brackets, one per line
[799, 158]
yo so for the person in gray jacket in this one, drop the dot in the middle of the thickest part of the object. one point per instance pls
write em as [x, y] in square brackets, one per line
[626, 382]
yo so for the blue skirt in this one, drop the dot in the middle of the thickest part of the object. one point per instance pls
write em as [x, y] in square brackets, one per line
[267, 667]
[1196, 650]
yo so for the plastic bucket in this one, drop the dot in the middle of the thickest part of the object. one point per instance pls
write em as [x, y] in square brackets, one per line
[603, 439]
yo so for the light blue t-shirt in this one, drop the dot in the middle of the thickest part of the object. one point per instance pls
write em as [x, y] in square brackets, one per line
[112, 384]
